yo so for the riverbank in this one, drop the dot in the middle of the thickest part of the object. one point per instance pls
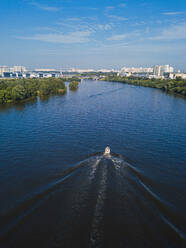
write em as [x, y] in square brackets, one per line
[21, 90]
[176, 86]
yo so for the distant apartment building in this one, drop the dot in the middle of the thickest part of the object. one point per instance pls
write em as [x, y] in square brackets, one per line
[74, 70]
[107, 70]
[18, 68]
[136, 70]
[158, 71]
[4, 69]
[129, 71]
[161, 70]
[7, 74]
[180, 75]
[45, 70]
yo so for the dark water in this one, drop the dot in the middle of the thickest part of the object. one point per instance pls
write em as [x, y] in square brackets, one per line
[58, 190]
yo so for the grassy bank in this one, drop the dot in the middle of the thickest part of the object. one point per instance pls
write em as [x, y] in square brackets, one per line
[176, 86]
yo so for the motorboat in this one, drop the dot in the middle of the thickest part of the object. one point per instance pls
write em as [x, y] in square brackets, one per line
[107, 151]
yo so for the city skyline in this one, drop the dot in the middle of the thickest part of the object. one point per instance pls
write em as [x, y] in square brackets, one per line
[156, 72]
[88, 34]
[22, 68]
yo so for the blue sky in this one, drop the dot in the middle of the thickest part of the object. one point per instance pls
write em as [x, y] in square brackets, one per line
[93, 34]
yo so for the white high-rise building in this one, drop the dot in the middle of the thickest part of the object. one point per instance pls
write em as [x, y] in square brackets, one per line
[74, 70]
[3, 69]
[160, 70]
[157, 70]
[136, 70]
[18, 68]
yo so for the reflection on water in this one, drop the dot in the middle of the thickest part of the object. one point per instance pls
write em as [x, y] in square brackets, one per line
[44, 98]
[19, 106]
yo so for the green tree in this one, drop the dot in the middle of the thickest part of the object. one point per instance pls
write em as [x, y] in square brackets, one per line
[74, 85]
[18, 93]
[2, 96]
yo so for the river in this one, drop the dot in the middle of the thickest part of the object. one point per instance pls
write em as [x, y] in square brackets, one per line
[58, 190]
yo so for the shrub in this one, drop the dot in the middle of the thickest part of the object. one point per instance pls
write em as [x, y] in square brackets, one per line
[73, 85]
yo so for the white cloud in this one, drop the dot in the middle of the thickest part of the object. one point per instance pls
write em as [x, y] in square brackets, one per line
[73, 19]
[70, 38]
[173, 13]
[119, 37]
[105, 27]
[174, 32]
[109, 47]
[45, 7]
[109, 7]
[122, 5]
[81, 24]
[118, 18]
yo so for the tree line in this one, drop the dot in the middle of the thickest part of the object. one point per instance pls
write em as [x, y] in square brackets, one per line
[16, 90]
[175, 86]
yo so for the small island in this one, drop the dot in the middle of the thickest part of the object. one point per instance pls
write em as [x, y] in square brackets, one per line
[74, 85]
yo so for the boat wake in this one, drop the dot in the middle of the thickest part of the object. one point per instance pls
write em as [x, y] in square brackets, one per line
[103, 201]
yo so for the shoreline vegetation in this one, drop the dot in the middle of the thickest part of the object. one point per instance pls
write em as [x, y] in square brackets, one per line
[74, 85]
[175, 86]
[21, 90]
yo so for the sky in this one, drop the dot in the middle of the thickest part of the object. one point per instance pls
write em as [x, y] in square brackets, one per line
[93, 34]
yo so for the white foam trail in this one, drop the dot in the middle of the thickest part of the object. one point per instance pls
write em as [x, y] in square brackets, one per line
[117, 163]
[95, 237]
[94, 169]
